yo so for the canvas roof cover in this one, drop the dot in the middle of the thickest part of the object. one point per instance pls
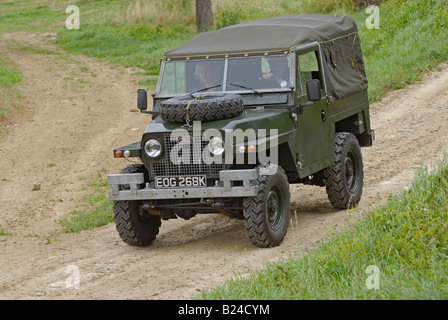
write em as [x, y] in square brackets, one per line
[266, 35]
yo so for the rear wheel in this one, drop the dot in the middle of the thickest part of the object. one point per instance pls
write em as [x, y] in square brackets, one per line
[344, 179]
[134, 226]
[266, 216]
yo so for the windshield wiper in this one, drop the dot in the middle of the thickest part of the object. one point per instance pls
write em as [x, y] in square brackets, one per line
[247, 88]
[204, 89]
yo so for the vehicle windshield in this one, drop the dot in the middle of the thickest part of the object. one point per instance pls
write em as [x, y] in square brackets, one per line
[226, 75]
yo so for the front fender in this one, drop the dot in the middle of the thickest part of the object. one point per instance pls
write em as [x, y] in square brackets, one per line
[135, 151]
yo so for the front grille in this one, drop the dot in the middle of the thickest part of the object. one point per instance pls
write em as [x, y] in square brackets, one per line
[166, 167]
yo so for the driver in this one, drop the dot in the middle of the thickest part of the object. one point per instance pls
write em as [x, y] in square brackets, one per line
[279, 71]
[207, 75]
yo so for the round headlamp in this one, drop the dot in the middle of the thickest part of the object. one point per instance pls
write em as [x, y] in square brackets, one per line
[216, 146]
[153, 148]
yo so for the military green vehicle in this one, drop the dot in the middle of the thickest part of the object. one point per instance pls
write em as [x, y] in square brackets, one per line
[238, 115]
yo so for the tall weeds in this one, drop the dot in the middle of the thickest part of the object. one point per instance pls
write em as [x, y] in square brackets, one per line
[164, 13]
[227, 12]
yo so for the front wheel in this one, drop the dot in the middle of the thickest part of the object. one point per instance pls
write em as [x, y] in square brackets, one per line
[266, 216]
[135, 227]
[344, 178]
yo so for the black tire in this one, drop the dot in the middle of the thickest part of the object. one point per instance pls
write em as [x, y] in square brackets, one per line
[205, 108]
[266, 216]
[133, 228]
[344, 179]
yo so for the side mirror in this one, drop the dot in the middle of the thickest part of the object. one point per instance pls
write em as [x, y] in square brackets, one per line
[313, 93]
[313, 90]
[142, 99]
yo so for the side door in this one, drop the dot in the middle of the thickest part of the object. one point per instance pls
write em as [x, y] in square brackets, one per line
[315, 132]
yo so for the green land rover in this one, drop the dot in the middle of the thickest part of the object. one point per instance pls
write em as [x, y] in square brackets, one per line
[238, 115]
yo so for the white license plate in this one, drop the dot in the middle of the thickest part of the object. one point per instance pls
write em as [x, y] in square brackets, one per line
[181, 182]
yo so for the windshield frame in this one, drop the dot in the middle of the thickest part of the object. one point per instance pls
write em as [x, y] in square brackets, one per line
[225, 84]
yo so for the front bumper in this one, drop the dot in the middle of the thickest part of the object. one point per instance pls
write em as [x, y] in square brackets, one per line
[135, 192]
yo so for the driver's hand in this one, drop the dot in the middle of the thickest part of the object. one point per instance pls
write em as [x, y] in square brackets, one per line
[267, 76]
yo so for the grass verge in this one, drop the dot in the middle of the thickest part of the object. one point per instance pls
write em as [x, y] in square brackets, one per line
[96, 211]
[410, 41]
[31, 16]
[405, 240]
[5, 233]
[9, 95]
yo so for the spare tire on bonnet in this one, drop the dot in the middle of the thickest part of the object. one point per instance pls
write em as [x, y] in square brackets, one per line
[201, 108]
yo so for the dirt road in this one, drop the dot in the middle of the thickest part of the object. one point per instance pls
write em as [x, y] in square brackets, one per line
[78, 109]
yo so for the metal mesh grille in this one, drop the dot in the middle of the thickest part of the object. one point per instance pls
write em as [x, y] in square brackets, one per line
[194, 166]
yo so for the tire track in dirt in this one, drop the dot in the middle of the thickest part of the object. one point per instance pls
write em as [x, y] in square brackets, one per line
[78, 110]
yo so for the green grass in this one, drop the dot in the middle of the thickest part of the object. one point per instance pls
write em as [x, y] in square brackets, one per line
[406, 239]
[4, 233]
[32, 16]
[9, 95]
[9, 75]
[96, 212]
[126, 45]
[411, 41]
